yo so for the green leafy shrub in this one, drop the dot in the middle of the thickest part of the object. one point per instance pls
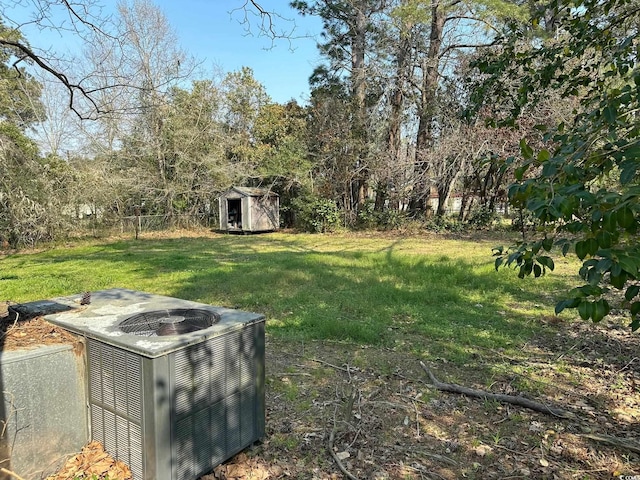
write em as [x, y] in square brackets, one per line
[524, 221]
[315, 214]
[482, 217]
[388, 219]
[444, 224]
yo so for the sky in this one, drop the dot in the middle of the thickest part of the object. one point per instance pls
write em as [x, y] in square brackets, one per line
[223, 35]
[211, 31]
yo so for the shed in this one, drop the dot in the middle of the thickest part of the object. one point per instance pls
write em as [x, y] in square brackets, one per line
[249, 210]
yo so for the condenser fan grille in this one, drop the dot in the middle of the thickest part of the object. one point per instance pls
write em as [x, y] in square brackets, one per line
[174, 321]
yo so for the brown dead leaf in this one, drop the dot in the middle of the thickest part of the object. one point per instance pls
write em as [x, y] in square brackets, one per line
[93, 460]
[31, 333]
[242, 467]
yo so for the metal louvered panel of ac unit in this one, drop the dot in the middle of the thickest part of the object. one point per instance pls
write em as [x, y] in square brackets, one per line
[248, 414]
[115, 393]
[135, 452]
[233, 422]
[115, 379]
[195, 375]
[247, 351]
[207, 434]
[200, 441]
[215, 390]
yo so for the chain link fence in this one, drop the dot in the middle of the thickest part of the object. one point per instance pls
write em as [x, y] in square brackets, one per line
[138, 224]
[154, 223]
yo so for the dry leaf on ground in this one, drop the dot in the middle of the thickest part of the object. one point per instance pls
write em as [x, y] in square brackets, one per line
[93, 460]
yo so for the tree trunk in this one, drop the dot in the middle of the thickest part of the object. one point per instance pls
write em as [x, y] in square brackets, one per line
[403, 64]
[430, 76]
[358, 91]
[444, 190]
[381, 197]
[463, 205]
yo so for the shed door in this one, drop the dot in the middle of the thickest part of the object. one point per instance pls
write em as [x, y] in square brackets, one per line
[234, 207]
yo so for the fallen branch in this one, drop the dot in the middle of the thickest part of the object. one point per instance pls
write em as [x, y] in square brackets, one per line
[322, 362]
[332, 438]
[292, 374]
[613, 441]
[498, 397]
[627, 365]
[10, 473]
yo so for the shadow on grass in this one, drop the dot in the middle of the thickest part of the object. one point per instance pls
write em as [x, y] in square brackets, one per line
[316, 288]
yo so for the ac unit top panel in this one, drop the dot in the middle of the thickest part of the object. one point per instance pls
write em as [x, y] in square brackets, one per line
[101, 318]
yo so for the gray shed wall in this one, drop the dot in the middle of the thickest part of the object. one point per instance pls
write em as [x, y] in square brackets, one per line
[264, 213]
[258, 213]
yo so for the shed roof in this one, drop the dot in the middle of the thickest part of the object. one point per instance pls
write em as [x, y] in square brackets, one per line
[251, 192]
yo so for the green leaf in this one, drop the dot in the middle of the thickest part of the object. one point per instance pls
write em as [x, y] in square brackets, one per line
[549, 170]
[567, 303]
[592, 246]
[610, 114]
[616, 270]
[618, 281]
[628, 172]
[537, 270]
[498, 262]
[535, 248]
[631, 292]
[526, 150]
[560, 306]
[547, 262]
[584, 309]
[519, 172]
[526, 269]
[547, 244]
[543, 155]
[609, 222]
[586, 247]
[514, 257]
[593, 276]
[600, 310]
[604, 239]
[603, 265]
[589, 290]
[625, 217]
[582, 250]
[632, 229]
[628, 264]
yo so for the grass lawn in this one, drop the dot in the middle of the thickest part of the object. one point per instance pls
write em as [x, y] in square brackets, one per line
[432, 295]
[348, 318]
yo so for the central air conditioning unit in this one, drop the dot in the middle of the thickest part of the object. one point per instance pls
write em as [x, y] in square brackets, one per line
[175, 387]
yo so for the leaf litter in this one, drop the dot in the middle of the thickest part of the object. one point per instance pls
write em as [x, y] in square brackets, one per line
[92, 463]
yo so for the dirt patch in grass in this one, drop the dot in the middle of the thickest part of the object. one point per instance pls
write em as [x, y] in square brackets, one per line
[375, 409]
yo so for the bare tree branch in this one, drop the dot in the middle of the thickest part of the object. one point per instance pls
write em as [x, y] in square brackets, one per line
[268, 21]
[460, 46]
[93, 26]
[71, 87]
